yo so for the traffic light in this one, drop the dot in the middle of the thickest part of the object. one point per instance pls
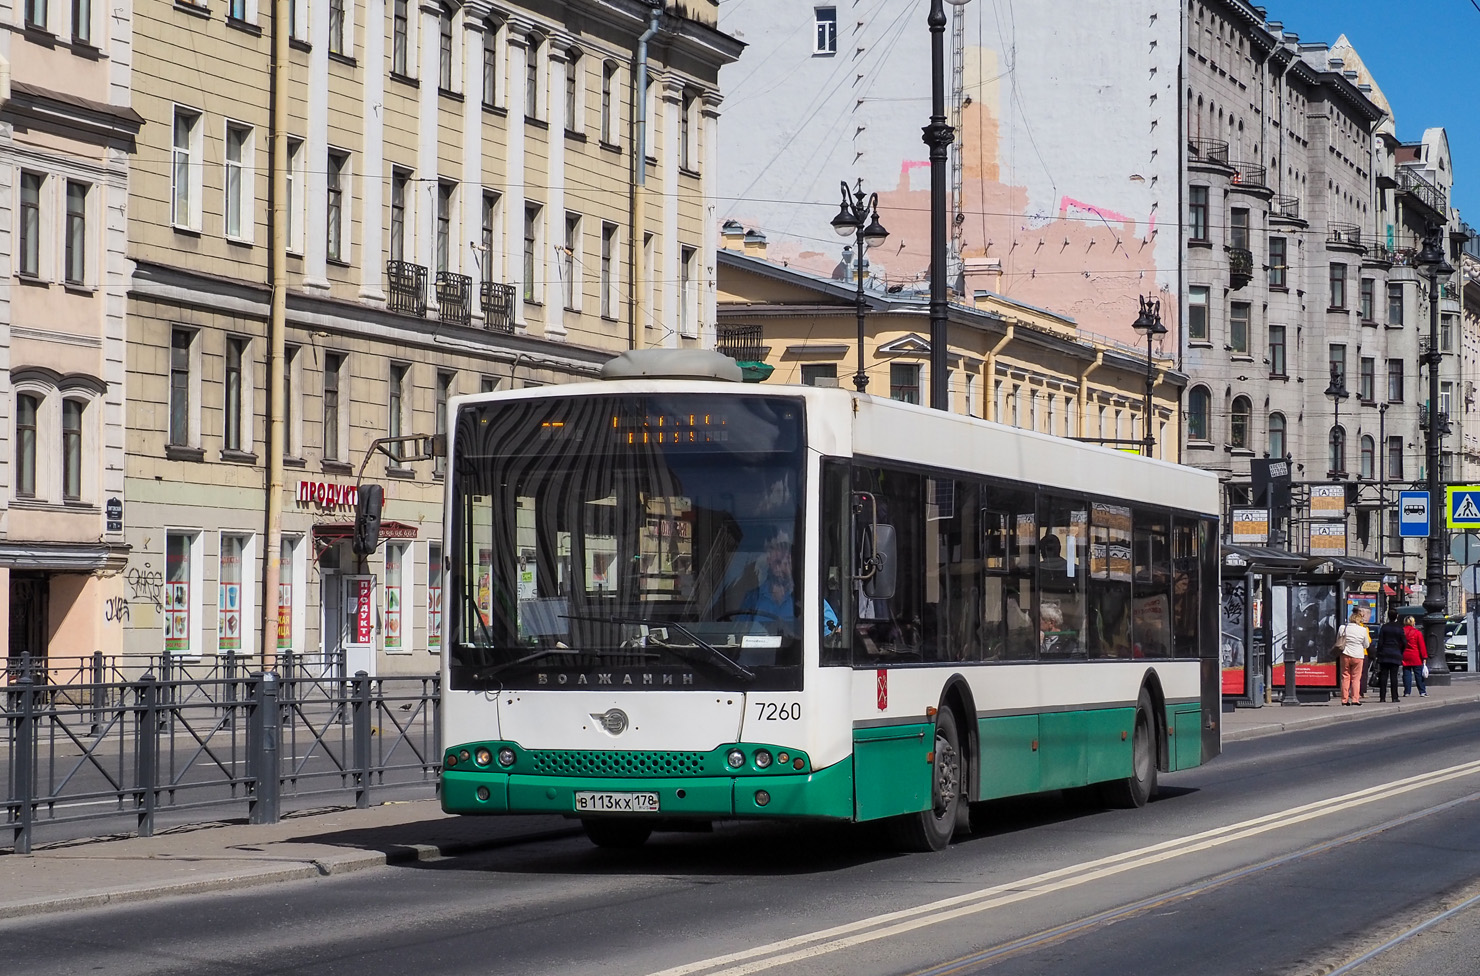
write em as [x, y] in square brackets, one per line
[370, 501]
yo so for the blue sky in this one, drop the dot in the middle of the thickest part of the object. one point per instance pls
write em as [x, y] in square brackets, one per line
[1419, 53]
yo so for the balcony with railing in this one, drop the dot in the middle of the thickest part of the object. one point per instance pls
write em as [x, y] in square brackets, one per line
[406, 287]
[1285, 206]
[1379, 254]
[1344, 236]
[497, 302]
[1431, 197]
[742, 343]
[454, 298]
[1208, 151]
[1249, 175]
[1240, 266]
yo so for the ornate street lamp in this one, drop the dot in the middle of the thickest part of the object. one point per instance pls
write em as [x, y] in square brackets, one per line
[1149, 324]
[1336, 391]
[1431, 258]
[938, 136]
[859, 218]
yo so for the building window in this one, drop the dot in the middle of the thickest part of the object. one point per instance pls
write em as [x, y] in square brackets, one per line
[1336, 363]
[289, 604]
[1446, 332]
[75, 272]
[904, 382]
[489, 232]
[396, 404]
[609, 102]
[179, 594]
[445, 380]
[819, 374]
[1337, 451]
[1395, 304]
[295, 195]
[333, 363]
[1277, 350]
[336, 27]
[400, 182]
[531, 249]
[445, 193]
[1446, 397]
[1277, 435]
[1238, 423]
[1238, 327]
[1197, 213]
[1338, 286]
[28, 261]
[687, 151]
[570, 262]
[36, 14]
[688, 292]
[1278, 263]
[444, 49]
[1368, 381]
[1368, 457]
[182, 382]
[573, 71]
[1395, 381]
[334, 211]
[231, 620]
[72, 411]
[235, 402]
[825, 41]
[236, 10]
[1199, 405]
[394, 596]
[490, 64]
[1369, 298]
[609, 295]
[533, 53]
[1238, 227]
[238, 186]
[434, 597]
[400, 39]
[1394, 470]
[1395, 540]
[291, 439]
[185, 171]
[82, 21]
[27, 409]
[1197, 313]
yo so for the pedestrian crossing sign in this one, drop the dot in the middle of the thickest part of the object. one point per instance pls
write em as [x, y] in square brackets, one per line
[1462, 507]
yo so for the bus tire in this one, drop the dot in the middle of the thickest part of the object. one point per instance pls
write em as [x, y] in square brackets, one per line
[616, 833]
[931, 829]
[1140, 785]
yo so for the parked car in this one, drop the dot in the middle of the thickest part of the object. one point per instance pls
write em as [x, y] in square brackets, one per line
[1456, 650]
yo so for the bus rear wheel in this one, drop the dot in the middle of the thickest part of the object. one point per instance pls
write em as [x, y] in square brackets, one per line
[616, 833]
[932, 829]
[1140, 785]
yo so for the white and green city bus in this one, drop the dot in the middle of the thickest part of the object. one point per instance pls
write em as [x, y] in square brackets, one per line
[675, 600]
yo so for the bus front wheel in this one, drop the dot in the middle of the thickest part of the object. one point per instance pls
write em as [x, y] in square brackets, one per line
[931, 829]
[616, 832]
[1140, 785]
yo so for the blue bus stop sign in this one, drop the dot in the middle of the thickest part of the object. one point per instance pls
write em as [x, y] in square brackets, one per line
[1413, 514]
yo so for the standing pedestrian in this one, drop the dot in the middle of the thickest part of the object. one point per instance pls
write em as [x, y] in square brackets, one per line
[1388, 651]
[1352, 639]
[1415, 656]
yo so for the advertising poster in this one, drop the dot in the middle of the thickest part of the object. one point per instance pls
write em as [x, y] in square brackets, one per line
[285, 616]
[1312, 629]
[434, 598]
[364, 593]
[1231, 648]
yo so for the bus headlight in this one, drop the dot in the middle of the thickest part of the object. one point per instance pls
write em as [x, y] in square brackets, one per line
[783, 758]
[506, 756]
[736, 759]
[463, 755]
[483, 757]
[762, 798]
[762, 759]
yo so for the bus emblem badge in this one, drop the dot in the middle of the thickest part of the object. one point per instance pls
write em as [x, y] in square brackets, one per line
[613, 720]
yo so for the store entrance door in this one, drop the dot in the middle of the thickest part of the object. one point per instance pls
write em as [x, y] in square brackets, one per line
[29, 613]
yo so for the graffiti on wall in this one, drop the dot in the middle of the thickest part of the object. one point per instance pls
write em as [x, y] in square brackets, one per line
[115, 609]
[147, 585]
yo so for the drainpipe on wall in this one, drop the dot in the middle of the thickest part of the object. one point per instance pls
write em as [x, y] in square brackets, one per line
[991, 371]
[277, 326]
[637, 200]
[1084, 391]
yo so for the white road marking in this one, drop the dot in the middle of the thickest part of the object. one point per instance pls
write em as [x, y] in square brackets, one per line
[883, 926]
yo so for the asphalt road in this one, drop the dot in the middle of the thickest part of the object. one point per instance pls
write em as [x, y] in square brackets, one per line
[1293, 854]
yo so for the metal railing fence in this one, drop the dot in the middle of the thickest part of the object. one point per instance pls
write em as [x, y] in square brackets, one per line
[130, 755]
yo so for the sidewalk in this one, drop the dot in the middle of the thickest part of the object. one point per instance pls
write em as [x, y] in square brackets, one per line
[211, 857]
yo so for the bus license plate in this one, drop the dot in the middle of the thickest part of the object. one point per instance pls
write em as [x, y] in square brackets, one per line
[616, 802]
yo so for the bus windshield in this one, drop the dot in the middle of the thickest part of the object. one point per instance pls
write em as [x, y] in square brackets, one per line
[626, 541]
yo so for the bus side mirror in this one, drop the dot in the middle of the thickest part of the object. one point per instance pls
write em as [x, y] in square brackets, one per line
[881, 560]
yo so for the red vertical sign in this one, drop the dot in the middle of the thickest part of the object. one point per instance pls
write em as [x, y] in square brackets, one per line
[364, 622]
[881, 686]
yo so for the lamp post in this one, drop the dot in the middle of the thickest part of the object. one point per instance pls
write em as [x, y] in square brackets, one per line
[1435, 598]
[1149, 323]
[859, 217]
[938, 136]
[1336, 391]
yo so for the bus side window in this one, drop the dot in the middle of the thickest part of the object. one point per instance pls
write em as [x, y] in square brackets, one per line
[836, 562]
[893, 630]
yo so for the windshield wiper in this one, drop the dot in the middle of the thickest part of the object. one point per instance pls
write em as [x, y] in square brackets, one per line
[714, 655]
[507, 665]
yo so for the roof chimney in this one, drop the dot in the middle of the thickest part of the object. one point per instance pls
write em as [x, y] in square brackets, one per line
[732, 236]
[755, 244]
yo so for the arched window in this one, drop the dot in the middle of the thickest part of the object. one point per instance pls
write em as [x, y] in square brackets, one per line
[1277, 446]
[534, 54]
[1199, 404]
[1337, 454]
[26, 408]
[72, 448]
[1369, 456]
[1238, 430]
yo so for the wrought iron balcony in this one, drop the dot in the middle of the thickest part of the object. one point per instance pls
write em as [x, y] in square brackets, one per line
[1286, 206]
[1249, 174]
[1379, 254]
[1344, 235]
[1208, 151]
[1426, 193]
[497, 301]
[742, 343]
[454, 298]
[1240, 266]
[407, 287]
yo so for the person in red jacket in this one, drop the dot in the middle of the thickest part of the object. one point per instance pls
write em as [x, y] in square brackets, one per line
[1415, 653]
